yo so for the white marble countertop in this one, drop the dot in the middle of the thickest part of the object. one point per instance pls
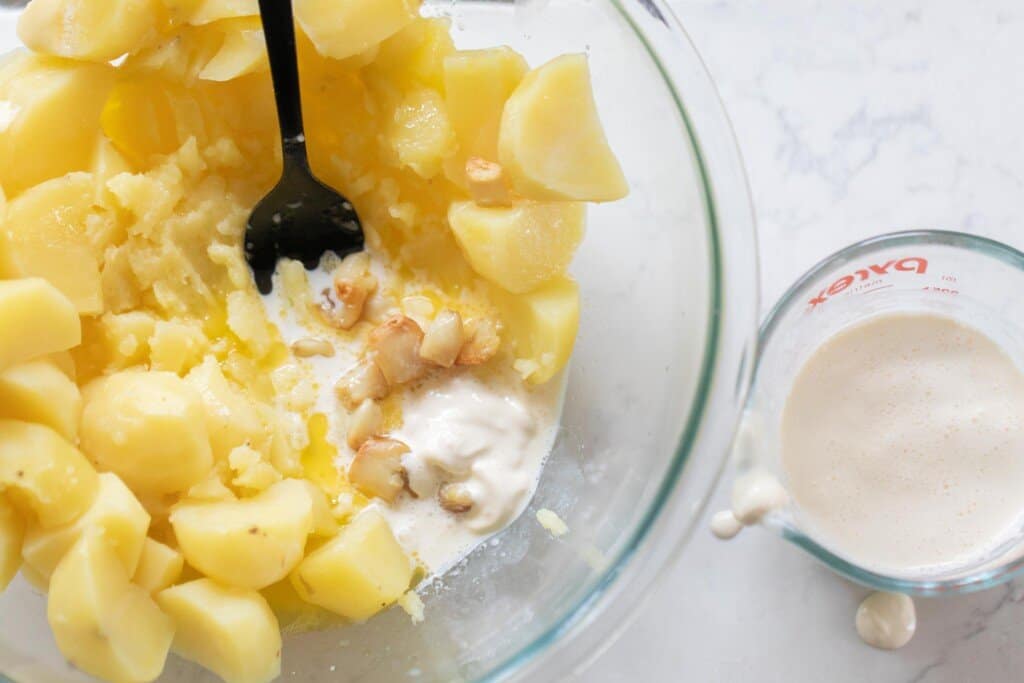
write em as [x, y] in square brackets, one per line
[855, 117]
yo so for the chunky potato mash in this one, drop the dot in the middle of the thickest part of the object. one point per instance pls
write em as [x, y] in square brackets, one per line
[164, 472]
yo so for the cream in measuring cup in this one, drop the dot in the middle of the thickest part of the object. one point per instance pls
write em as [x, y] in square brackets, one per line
[885, 428]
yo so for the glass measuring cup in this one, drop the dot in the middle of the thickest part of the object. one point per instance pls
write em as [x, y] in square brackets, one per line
[972, 279]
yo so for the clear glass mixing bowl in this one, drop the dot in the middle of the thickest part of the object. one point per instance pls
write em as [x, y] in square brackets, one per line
[669, 281]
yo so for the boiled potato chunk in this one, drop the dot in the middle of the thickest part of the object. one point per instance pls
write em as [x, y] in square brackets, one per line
[45, 320]
[518, 247]
[159, 566]
[477, 83]
[46, 228]
[116, 511]
[551, 141]
[39, 139]
[230, 631]
[420, 133]
[12, 531]
[103, 624]
[359, 572]
[41, 472]
[232, 419]
[243, 51]
[38, 391]
[147, 427]
[93, 30]
[346, 28]
[208, 11]
[543, 326]
[250, 543]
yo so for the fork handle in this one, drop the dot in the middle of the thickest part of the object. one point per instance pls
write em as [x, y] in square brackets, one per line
[279, 33]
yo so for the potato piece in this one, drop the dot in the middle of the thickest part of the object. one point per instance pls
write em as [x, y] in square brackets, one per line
[116, 511]
[46, 228]
[366, 421]
[359, 572]
[519, 247]
[43, 473]
[482, 342]
[37, 391]
[551, 141]
[324, 523]
[376, 470]
[39, 140]
[476, 85]
[231, 418]
[395, 345]
[230, 631]
[159, 567]
[103, 624]
[45, 321]
[343, 29]
[208, 11]
[542, 326]
[90, 30]
[149, 428]
[242, 52]
[420, 133]
[146, 117]
[249, 543]
[12, 531]
[63, 361]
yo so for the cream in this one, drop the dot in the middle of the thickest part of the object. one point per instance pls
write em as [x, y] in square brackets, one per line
[886, 620]
[903, 444]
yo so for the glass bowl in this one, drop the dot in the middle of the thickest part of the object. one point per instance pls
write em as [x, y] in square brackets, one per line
[669, 283]
[969, 278]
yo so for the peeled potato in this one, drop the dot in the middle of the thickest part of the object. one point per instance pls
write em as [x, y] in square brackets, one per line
[105, 625]
[476, 84]
[519, 247]
[359, 572]
[551, 141]
[420, 133]
[38, 391]
[243, 51]
[94, 30]
[230, 631]
[47, 230]
[343, 29]
[12, 531]
[46, 321]
[542, 326]
[116, 511]
[231, 417]
[149, 428]
[159, 566]
[42, 473]
[250, 543]
[208, 11]
[39, 140]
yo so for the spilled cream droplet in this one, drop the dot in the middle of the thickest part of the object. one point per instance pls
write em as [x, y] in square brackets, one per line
[724, 525]
[886, 620]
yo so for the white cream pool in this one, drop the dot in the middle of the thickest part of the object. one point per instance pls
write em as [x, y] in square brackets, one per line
[482, 428]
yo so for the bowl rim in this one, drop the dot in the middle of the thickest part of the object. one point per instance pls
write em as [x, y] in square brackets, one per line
[588, 606]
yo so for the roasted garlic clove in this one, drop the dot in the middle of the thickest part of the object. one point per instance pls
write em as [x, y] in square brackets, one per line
[396, 349]
[366, 421]
[363, 381]
[444, 339]
[377, 468]
[455, 498]
[482, 342]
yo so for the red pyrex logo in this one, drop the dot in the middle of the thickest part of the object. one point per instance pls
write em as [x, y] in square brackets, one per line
[911, 264]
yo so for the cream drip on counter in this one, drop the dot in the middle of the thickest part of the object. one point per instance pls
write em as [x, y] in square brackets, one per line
[886, 620]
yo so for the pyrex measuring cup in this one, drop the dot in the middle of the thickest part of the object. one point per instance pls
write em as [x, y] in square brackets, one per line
[972, 279]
